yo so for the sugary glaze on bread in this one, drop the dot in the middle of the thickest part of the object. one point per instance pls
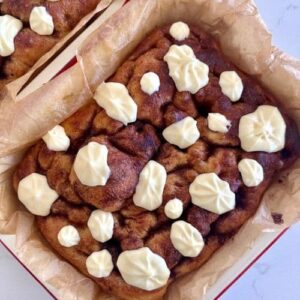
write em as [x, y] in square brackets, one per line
[131, 147]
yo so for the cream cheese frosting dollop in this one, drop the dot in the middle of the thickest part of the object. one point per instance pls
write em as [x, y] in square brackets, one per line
[56, 139]
[99, 264]
[179, 31]
[150, 83]
[101, 225]
[231, 85]
[186, 239]
[143, 269]
[183, 133]
[116, 101]
[218, 122]
[252, 172]
[149, 190]
[189, 73]
[174, 208]
[210, 192]
[35, 193]
[262, 130]
[68, 236]
[91, 166]
[9, 28]
[41, 21]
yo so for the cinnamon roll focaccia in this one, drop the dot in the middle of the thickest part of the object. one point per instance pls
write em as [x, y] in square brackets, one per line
[161, 168]
[30, 28]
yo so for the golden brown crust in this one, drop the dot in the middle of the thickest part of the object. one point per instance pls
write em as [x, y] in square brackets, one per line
[125, 166]
[79, 123]
[113, 284]
[67, 13]
[131, 147]
[20, 9]
[151, 106]
[30, 46]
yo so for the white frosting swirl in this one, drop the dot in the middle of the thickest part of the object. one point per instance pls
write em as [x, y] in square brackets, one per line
[101, 225]
[218, 122]
[9, 28]
[210, 192]
[252, 172]
[150, 83]
[35, 193]
[143, 269]
[179, 31]
[99, 264]
[262, 130]
[231, 85]
[188, 72]
[41, 21]
[174, 208]
[149, 190]
[56, 139]
[183, 133]
[116, 101]
[186, 239]
[68, 236]
[91, 165]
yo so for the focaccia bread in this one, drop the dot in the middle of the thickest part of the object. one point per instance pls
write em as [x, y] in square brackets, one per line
[145, 183]
[30, 28]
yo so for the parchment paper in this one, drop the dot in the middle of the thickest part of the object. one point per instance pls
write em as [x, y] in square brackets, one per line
[12, 88]
[243, 37]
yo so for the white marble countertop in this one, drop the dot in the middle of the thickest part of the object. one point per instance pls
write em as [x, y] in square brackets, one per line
[276, 275]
